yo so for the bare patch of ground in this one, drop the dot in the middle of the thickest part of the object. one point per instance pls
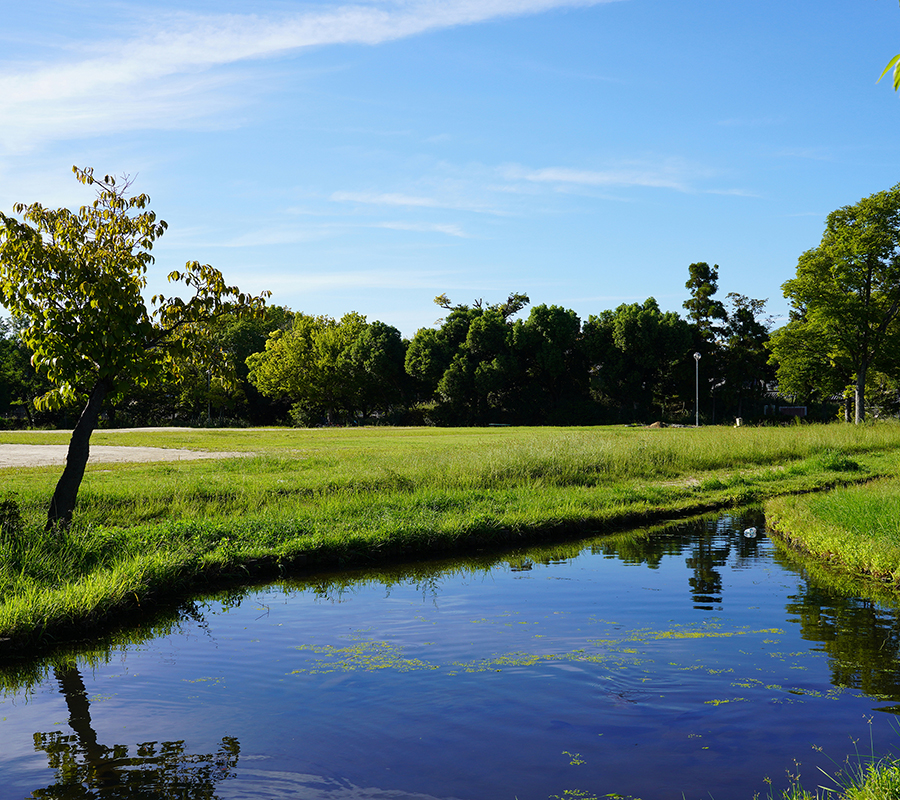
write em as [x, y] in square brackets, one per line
[48, 455]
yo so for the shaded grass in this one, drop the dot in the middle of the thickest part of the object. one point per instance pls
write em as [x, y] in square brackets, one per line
[318, 499]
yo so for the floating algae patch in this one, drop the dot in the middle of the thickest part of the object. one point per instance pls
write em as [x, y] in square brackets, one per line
[365, 656]
[628, 649]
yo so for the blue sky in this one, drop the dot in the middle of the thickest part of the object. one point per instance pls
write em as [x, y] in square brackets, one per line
[367, 156]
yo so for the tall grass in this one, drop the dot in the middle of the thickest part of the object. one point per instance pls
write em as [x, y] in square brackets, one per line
[864, 776]
[298, 467]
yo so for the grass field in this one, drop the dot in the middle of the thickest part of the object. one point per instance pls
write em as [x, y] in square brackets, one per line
[309, 499]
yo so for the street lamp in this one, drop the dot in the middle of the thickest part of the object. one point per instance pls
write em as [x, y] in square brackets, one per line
[697, 390]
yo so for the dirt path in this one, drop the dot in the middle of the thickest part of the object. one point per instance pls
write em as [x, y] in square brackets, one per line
[47, 455]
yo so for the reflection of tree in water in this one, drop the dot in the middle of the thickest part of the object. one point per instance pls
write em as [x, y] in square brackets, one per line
[87, 769]
[861, 638]
[706, 581]
[707, 544]
[710, 542]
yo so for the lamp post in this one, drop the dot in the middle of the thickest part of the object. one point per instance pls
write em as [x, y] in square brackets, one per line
[696, 390]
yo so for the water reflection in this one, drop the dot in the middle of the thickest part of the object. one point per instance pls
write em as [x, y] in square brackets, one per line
[855, 621]
[708, 544]
[85, 767]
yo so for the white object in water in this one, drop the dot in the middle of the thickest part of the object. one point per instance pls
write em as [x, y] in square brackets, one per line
[750, 533]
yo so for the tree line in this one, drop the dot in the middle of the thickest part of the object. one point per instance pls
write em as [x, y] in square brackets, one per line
[482, 363]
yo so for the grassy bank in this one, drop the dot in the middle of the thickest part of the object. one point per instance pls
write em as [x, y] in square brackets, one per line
[322, 498]
[856, 528]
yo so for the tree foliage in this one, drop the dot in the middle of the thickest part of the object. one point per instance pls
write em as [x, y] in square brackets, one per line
[703, 311]
[332, 368]
[641, 356]
[75, 279]
[845, 300]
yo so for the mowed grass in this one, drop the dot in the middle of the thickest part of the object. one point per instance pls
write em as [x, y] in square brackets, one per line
[321, 498]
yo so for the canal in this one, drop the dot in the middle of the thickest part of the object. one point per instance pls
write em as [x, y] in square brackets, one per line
[698, 660]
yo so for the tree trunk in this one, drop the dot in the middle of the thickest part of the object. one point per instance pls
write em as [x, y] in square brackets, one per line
[860, 394]
[63, 502]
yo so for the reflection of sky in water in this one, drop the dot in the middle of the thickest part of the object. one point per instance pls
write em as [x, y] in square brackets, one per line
[688, 662]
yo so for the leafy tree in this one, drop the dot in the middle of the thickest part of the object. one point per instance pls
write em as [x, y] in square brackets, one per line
[227, 341]
[377, 361]
[76, 278]
[846, 295]
[513, 305]
[744, 337]
[640, 356]
[19, 383]
[474, 386]
[468, 364]
[807, 367]
[703, 311]
[552, 364]
[331, 367]
[426, 360]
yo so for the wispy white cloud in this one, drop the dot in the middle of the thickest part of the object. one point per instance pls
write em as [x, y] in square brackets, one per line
[733, 193]
[359, 279]
[387, 199]
[275, 235]
[398, 199]
[165, 75]
[424, 227]
[666, 175]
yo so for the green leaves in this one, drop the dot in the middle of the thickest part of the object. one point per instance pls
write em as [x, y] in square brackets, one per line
[846, 298]
[77, 278]
[893, 64]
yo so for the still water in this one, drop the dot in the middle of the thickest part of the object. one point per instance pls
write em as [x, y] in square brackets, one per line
[691, 662]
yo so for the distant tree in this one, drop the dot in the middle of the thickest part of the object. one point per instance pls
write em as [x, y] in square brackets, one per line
[846, 295]
[746, 359]
[805, 365]
[228, 341]
[467, 365]
[305, 364]
[703, 311]
[331, 368]
[376, 360]
[474, 387]
[76, 279]
[19, 383]
[639, 356]
[513, 305]
[551, 361]
[426, 360]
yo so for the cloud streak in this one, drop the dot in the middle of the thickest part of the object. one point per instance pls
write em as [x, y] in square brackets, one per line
[398, 199]
[668, 175]
[155, 79]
